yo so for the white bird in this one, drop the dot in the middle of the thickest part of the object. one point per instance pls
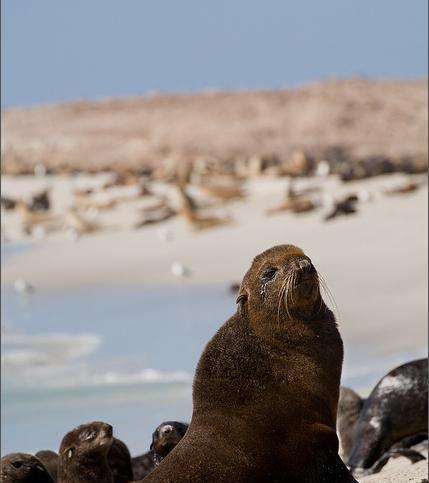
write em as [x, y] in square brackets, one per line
[179, 270]
[323, 168]
[22, 286]
[164, 234]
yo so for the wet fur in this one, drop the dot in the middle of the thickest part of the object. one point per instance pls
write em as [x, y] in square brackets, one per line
[392, 411]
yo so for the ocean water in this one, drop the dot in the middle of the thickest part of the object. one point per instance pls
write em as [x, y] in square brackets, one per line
[125, 356]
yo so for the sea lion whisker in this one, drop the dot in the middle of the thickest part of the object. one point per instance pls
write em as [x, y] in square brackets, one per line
[293, 286]
[328, 293]
[282, 291]
[286, 298]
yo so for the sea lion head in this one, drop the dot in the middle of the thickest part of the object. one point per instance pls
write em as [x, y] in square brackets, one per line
[282, 284]
[165, 438]
[85, 442]
[23, 468]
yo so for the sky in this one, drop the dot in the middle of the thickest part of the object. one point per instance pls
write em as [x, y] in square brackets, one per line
[57, 50]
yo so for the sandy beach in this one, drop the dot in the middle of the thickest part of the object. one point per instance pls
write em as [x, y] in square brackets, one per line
[374, 261]
[214, 219]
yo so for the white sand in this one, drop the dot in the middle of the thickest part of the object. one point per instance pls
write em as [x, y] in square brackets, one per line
[375, 262]
[399, 470]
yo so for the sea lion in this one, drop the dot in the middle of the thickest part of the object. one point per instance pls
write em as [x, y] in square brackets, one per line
[40, 202]
[395, 409]
[164, 439]
[50, 461]
[119, 461]
[23, 468]
[191, 214]
[345, 206]
[350, 405]
[83, 454]
[266, 387]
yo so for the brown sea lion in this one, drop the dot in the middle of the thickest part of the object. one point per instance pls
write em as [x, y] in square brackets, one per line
[83, 454]
[395, 409]
[266, 387]
[119, 460]
[50, 461]
[23, 468]
[190, 212]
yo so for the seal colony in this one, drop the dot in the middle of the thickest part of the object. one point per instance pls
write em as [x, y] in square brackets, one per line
[266, 387]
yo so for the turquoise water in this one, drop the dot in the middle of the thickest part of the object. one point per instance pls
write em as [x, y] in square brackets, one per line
[118, 355]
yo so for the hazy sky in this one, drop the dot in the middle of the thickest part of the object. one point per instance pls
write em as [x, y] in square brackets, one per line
[56, 50]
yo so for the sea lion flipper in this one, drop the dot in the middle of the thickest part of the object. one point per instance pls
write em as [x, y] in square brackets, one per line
[411, 454]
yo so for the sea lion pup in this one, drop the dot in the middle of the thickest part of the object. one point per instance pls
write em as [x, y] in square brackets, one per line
[395, 409]
[23, 468]
[119, 460]
[266, 387]
[164, 439]
[83, 454]
[50, 461]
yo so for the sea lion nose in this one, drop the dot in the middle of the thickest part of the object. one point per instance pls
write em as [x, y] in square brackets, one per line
[304, 265]
[108, 429]
[166, 430]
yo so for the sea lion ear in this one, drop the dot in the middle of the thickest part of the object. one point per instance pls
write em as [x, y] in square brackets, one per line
[241, 300]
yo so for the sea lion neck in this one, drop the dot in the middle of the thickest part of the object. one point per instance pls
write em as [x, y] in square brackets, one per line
[285, 336]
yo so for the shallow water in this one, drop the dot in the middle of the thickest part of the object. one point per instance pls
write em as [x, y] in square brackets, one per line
[119, 355]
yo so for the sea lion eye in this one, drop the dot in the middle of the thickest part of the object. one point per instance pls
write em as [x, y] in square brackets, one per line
[69, 453]
[17, 464]
[269, 273]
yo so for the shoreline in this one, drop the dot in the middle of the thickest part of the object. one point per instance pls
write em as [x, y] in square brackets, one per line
[374, 261]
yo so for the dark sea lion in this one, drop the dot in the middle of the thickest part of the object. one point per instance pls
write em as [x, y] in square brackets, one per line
[164, 439]
[396, 409]
[345, 206]
[83, 454]
[266, 387]
[23, 468]
[142, 465]
[50, 461]
[40, 202]
[119, 460]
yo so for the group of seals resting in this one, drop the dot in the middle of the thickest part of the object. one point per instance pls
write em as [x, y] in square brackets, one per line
[266, 387]
[88, 443]
[83, 457]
